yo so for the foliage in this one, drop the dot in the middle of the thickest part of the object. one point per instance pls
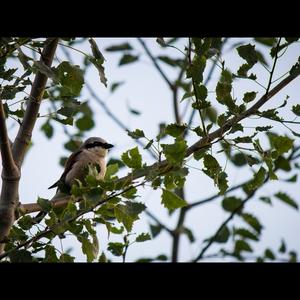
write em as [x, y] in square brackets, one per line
[114, 202]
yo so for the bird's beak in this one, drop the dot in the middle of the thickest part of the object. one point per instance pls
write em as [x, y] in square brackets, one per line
[108, 146]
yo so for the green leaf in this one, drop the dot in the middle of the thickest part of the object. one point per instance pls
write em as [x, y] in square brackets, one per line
[269, 42]
[196, 68]
[116, 248]
[170, 61]
[21, 256]
[282, 248]
[66, 258]
[143, 237]
[249, 96]
[161, 42]
[50, 254]
[231, 203]
[266, 200]
[241, 245]
[286, 199]
[245, 233]
[111, 170]
[292, 179]
[175, 130]
[136, 134]
[95, 49]
[85, 123]
[130, 194]
[132, 158]
[175, 152]
[252, 221]
[239, 159]
[189, 234]
[98, 63]
[258, 179]
[171, 201]
[115, 85]
[128, 213]
[102, 258]
[223, 236]
[128, 59]
[282, 144]
[70, 77]
[296, 109]
[26, 222]
[45, 204]
[187, 95]
[155, 230]
[282, 163]
[269, 254]
[87, 247]
[248, 53]
[120, 47]
[47, 128]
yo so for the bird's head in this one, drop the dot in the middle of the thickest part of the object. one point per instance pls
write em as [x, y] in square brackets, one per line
[97, 145]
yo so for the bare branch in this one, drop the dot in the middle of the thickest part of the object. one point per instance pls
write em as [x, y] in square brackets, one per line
[159, 69]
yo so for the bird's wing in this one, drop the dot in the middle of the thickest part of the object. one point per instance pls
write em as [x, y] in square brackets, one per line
[68, 166]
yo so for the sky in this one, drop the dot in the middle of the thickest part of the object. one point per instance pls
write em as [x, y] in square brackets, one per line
[145, 91]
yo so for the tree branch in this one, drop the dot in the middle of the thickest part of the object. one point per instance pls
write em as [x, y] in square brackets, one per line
[9, 166]
[12, 160]
[37, 91]
[171, 86]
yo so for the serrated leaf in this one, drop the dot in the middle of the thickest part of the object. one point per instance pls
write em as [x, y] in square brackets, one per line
[136, 134]
[175, 152]
[132, 158]
[248, 53]
[296, 109]
[175, 130]
[282, 144]
[187, 95]
[196, 68]
[286, 199]
[116, 248]
[70, 77]
[171, 201]
[282, 248]
[143, 237]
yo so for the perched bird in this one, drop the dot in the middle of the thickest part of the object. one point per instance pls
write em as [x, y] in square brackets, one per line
[92, 152]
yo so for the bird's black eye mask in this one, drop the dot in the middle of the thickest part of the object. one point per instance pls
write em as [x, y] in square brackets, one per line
[99, 144]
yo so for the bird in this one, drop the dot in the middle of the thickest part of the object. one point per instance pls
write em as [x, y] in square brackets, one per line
[92, 152]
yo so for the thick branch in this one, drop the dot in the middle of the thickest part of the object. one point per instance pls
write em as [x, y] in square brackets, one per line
[37, 91]
[6, 154]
